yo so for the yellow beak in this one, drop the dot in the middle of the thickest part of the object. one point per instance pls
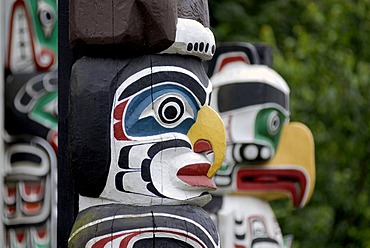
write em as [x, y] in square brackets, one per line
[296, 148]
[209, 127]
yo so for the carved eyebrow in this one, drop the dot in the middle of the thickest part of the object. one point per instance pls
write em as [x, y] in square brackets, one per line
[166, 76]
[249, 93]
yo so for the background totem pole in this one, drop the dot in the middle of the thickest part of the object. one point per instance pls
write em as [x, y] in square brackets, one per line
[267, 157]
[30, 137]
[138, 124]
[2, 50]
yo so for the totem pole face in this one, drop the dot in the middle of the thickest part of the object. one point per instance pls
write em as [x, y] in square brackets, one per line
[140, 127]
[158, 147]
[266, 156]
[254, 121]
[32, 36]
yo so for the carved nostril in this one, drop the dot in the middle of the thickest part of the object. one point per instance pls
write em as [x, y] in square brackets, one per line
[202, 146]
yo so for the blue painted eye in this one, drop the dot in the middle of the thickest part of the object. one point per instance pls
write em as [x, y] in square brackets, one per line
[163, 109]
[169, 110]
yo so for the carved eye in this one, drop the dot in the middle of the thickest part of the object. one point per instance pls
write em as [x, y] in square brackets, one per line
[46, 15]
[171, 110]
[273, 123]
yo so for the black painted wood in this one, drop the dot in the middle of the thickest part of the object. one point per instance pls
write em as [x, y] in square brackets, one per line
[67, 199]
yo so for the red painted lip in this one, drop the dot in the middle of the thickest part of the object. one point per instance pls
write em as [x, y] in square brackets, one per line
[196, 175]
[265, 180]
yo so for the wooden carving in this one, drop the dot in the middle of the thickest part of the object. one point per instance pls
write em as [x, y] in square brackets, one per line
[267, 157]
[140, 128]
[30, 136]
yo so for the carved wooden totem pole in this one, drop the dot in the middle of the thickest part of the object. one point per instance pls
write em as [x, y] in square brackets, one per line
[2, 131]
[267, 157]
[140, 127]
[28, 172]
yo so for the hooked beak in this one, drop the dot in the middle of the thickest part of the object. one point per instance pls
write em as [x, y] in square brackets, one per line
[291, 171]
[297, 148]
[209, 129]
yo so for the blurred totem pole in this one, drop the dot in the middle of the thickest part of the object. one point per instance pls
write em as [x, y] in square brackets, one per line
[139, 125]
[267, 157]
[28, 170]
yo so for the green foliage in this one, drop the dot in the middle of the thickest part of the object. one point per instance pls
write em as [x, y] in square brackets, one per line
[321, 49]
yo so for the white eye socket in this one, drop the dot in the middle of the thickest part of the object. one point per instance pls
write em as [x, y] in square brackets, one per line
[171, 110]
[46, 15]
[273, 123]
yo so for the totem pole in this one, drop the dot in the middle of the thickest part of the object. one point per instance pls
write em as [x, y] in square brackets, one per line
[28, 171]
[2, 131]
[267, 157]
[140, 130]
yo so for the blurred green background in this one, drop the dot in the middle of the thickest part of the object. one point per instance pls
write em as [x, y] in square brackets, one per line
[321, 48]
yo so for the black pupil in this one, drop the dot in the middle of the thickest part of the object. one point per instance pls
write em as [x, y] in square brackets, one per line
[275, 123]
[170, 112]
[48, 16]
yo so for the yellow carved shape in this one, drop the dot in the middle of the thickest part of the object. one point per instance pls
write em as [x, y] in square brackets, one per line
[296, 148]
[210, 127]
